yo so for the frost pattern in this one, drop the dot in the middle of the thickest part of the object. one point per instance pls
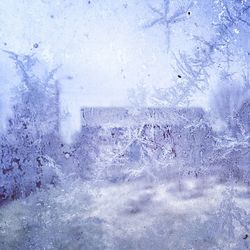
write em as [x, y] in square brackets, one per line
[161, 176]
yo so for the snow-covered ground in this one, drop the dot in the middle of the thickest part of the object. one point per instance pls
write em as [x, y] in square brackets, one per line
[193, 214]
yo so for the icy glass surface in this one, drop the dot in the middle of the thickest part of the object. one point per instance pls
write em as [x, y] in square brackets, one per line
[125, 124]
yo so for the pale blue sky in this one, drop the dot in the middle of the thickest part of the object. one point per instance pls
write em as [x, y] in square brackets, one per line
[103, 46]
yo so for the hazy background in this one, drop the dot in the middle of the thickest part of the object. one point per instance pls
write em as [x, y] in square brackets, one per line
[102, 46]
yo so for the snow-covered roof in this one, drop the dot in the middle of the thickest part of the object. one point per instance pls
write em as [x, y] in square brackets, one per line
[128, 117]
